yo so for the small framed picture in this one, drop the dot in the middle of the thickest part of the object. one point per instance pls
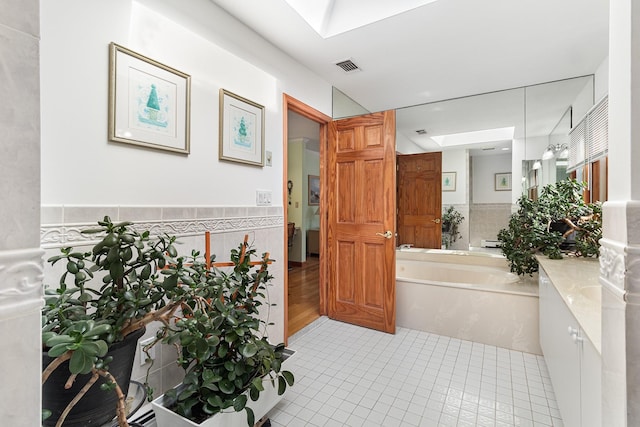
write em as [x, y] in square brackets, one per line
[241, 130]
[314, 190]
[148, 102]
[448, 181]
[503, 181]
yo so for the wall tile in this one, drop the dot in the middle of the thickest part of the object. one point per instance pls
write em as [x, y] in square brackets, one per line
[20, 125]
[139, 213]
[22, 15]
[170, 213]
[51, 214]
[210, 212]
[88, 214]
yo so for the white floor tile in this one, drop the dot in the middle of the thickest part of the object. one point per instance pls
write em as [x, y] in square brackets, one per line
[352, 376]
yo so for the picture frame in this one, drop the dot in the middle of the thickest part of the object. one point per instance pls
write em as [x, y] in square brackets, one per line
[241, 130]
[149, 102]
[448, 181]
[314, 190]
[502, 181]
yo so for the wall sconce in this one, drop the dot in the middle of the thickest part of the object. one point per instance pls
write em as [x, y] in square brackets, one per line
[560, 151]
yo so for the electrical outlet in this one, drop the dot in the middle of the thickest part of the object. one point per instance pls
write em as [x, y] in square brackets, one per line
[263, 198]
[144, 357]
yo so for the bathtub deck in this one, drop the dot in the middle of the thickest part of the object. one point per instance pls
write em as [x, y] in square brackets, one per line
[504, 315]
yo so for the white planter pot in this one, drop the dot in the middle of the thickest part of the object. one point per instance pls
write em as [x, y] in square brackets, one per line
[268, 399]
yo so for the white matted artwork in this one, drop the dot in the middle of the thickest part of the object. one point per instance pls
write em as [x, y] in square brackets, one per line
[503, 181]
[448, 181]
[241, 130]
[149, 102]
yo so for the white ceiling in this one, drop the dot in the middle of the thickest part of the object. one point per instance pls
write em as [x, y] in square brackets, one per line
[442, 50]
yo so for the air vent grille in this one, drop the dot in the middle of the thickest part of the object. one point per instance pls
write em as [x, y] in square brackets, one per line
[348, 66]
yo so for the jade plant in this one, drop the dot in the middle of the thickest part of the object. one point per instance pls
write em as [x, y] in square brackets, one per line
[130, 279]
[103, 295]
[550, 225]
[221, 342]
[451, 220]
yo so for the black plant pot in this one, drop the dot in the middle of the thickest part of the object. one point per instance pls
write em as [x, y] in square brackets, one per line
[569, 243]
[96, 407]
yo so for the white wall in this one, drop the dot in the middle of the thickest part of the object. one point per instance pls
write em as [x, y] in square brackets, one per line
[85, 176]
[74, 64]
[455, 161]
[484, 170]
[602, 80]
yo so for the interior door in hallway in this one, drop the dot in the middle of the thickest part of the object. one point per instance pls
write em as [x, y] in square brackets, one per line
[361, 219]
[420, 200]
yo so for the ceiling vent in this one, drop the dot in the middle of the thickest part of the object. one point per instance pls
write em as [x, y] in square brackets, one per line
[421, 132]
[348, 66]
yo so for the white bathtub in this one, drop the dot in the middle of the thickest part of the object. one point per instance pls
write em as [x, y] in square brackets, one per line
[467, 295]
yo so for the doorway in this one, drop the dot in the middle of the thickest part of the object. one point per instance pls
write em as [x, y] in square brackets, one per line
[304, 145]
[419, 199]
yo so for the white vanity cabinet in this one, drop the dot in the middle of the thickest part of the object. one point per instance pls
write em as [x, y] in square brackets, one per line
[573, 361]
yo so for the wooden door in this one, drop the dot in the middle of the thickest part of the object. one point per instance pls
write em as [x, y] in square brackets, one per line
[361, 219]
[420, 200]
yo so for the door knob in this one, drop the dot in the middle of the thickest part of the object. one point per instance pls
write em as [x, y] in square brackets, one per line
[437, 220]
[387, 234]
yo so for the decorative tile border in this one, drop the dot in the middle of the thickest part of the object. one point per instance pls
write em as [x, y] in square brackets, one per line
[232, 219]
[52, 236]
[21, 275]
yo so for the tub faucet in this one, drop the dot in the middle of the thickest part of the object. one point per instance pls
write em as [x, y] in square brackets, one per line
[406, 246]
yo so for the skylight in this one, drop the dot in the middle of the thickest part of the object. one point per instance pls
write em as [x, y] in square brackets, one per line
[475, 137]
[331, 17]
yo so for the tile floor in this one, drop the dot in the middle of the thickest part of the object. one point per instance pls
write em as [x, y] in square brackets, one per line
[352, 376]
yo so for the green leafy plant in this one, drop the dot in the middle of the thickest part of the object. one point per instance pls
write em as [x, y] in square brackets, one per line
[220, 340]
[130, 279]
[451, 220]
[544, 226]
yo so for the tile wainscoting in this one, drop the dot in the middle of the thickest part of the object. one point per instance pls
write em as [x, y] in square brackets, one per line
[486, 220]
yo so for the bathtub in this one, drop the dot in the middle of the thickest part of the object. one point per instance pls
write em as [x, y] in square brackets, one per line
[467, 295]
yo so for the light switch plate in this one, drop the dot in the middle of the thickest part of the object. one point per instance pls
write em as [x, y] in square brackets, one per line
[268, 158]
[263, 198]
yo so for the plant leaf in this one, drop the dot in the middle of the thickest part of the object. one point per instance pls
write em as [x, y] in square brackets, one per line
[288, 376]
[80, 362]
[240, 402]
[251, 418]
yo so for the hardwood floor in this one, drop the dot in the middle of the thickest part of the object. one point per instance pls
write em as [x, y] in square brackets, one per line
[304, 297]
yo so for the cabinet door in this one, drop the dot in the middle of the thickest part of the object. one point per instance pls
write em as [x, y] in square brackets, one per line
[591, 387]
[561, 353]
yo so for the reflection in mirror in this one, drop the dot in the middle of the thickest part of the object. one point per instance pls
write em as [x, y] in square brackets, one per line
[551, 111]
[505, 132]
[476, 135]
[343, 106]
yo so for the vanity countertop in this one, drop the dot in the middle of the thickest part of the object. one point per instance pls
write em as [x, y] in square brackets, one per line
[576, 280]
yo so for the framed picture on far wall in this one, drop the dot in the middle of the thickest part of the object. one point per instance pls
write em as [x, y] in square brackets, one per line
[448, 181]
[503, 181]
[148, 102]
[314, 190]
[241, 130]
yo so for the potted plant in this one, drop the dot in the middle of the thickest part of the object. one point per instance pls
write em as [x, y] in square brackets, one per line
[451, 220]
[559, 220]
[103, 302]
[222, 347]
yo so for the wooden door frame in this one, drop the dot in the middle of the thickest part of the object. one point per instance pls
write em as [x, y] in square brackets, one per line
[292, 104]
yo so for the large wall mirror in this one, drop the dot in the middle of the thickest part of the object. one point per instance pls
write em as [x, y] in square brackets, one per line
[500, 145]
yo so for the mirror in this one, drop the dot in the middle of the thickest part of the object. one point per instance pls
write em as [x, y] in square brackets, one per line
[495, 142]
